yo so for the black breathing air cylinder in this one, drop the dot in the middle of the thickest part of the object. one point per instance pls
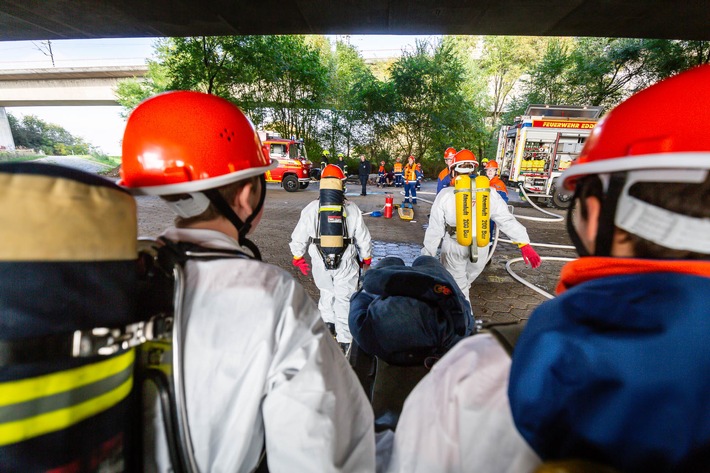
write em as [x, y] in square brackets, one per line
[331, 222]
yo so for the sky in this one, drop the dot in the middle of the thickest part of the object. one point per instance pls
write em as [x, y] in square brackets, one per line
[102, 126]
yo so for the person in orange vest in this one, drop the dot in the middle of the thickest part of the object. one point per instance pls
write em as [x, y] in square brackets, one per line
[381, 175]
[496, 182]
[410, 181]
[444, 179]
[398, 176]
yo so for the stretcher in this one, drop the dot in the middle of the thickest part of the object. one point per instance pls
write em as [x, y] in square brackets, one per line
[406, 211]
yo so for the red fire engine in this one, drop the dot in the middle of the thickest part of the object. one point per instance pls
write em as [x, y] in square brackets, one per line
[541, 144]
[294, 169]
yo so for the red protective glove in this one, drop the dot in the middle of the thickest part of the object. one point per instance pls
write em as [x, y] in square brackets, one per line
[365, 263]
[530, 256]
[301, 264]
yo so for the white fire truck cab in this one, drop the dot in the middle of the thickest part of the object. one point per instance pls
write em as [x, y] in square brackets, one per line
[535, 150]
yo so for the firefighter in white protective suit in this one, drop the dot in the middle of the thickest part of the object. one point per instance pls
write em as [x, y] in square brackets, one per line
[334, 233]
[443, 222]
[262, 374]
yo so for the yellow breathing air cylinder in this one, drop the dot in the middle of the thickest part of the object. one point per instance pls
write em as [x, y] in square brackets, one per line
[464, 210]
[483, 211]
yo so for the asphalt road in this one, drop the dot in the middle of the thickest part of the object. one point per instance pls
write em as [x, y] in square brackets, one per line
[76, 163]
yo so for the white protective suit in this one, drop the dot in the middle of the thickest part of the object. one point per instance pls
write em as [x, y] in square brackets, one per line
[336, 285]
[455, 257]
[260, 366]
[458, 418]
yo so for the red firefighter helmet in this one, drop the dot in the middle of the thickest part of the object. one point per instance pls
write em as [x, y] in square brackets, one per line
[332, 170]
[449, 153]
[661, 127]
[182, 142]
[491, 165]
[464, 162]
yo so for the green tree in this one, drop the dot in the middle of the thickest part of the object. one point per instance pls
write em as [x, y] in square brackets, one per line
[131, 92]
[34, 133]
[669, 57]
[349, 77]
[432, 110]
[547, 81]
[504, 59]
[605, 71]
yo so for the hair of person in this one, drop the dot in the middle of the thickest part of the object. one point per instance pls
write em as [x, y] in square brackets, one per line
[228, 192]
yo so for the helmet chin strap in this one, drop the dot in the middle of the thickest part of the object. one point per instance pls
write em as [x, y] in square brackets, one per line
[606, 225]
[605, 229]
[242, 227]
[572, 232]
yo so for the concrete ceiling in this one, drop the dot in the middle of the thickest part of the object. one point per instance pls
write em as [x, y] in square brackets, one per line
[80, 19]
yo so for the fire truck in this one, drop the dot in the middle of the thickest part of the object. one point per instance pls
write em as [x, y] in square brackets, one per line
[541, 144]
[294, 169]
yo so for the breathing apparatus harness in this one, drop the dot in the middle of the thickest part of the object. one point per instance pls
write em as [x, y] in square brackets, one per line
[331, 224]
[469, 192]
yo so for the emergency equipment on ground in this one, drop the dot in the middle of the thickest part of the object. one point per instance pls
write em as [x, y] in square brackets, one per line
[389, 202]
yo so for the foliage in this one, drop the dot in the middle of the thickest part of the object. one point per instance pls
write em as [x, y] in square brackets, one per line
[131, 92]
[603, 71]
[504, 60]
[432, 109]
[34, 133]
[454, 92]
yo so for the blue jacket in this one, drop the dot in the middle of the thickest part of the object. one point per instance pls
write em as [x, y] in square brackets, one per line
[405, 314]
[617, 370]
[442, 183]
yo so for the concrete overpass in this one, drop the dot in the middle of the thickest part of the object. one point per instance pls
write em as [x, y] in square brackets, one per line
[59, 86]
[67, 86]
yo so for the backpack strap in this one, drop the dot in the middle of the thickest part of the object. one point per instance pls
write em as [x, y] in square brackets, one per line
[171, 253]
[507, 334]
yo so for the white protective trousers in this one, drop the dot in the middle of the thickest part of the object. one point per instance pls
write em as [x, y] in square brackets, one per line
[336, 286]
[455, 257]
[261, 369]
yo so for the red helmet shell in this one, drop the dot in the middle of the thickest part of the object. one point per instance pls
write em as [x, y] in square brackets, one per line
[449, 153]
[332, 170]
[189, 141]
[661, 127]
[464, 156]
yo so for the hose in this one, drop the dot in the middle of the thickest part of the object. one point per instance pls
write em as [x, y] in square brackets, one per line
[556, 218]
[525, 282]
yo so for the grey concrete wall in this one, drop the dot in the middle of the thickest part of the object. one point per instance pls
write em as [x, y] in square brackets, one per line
[6, 140]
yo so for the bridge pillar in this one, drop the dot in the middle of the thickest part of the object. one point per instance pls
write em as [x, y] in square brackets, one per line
[6, 141]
